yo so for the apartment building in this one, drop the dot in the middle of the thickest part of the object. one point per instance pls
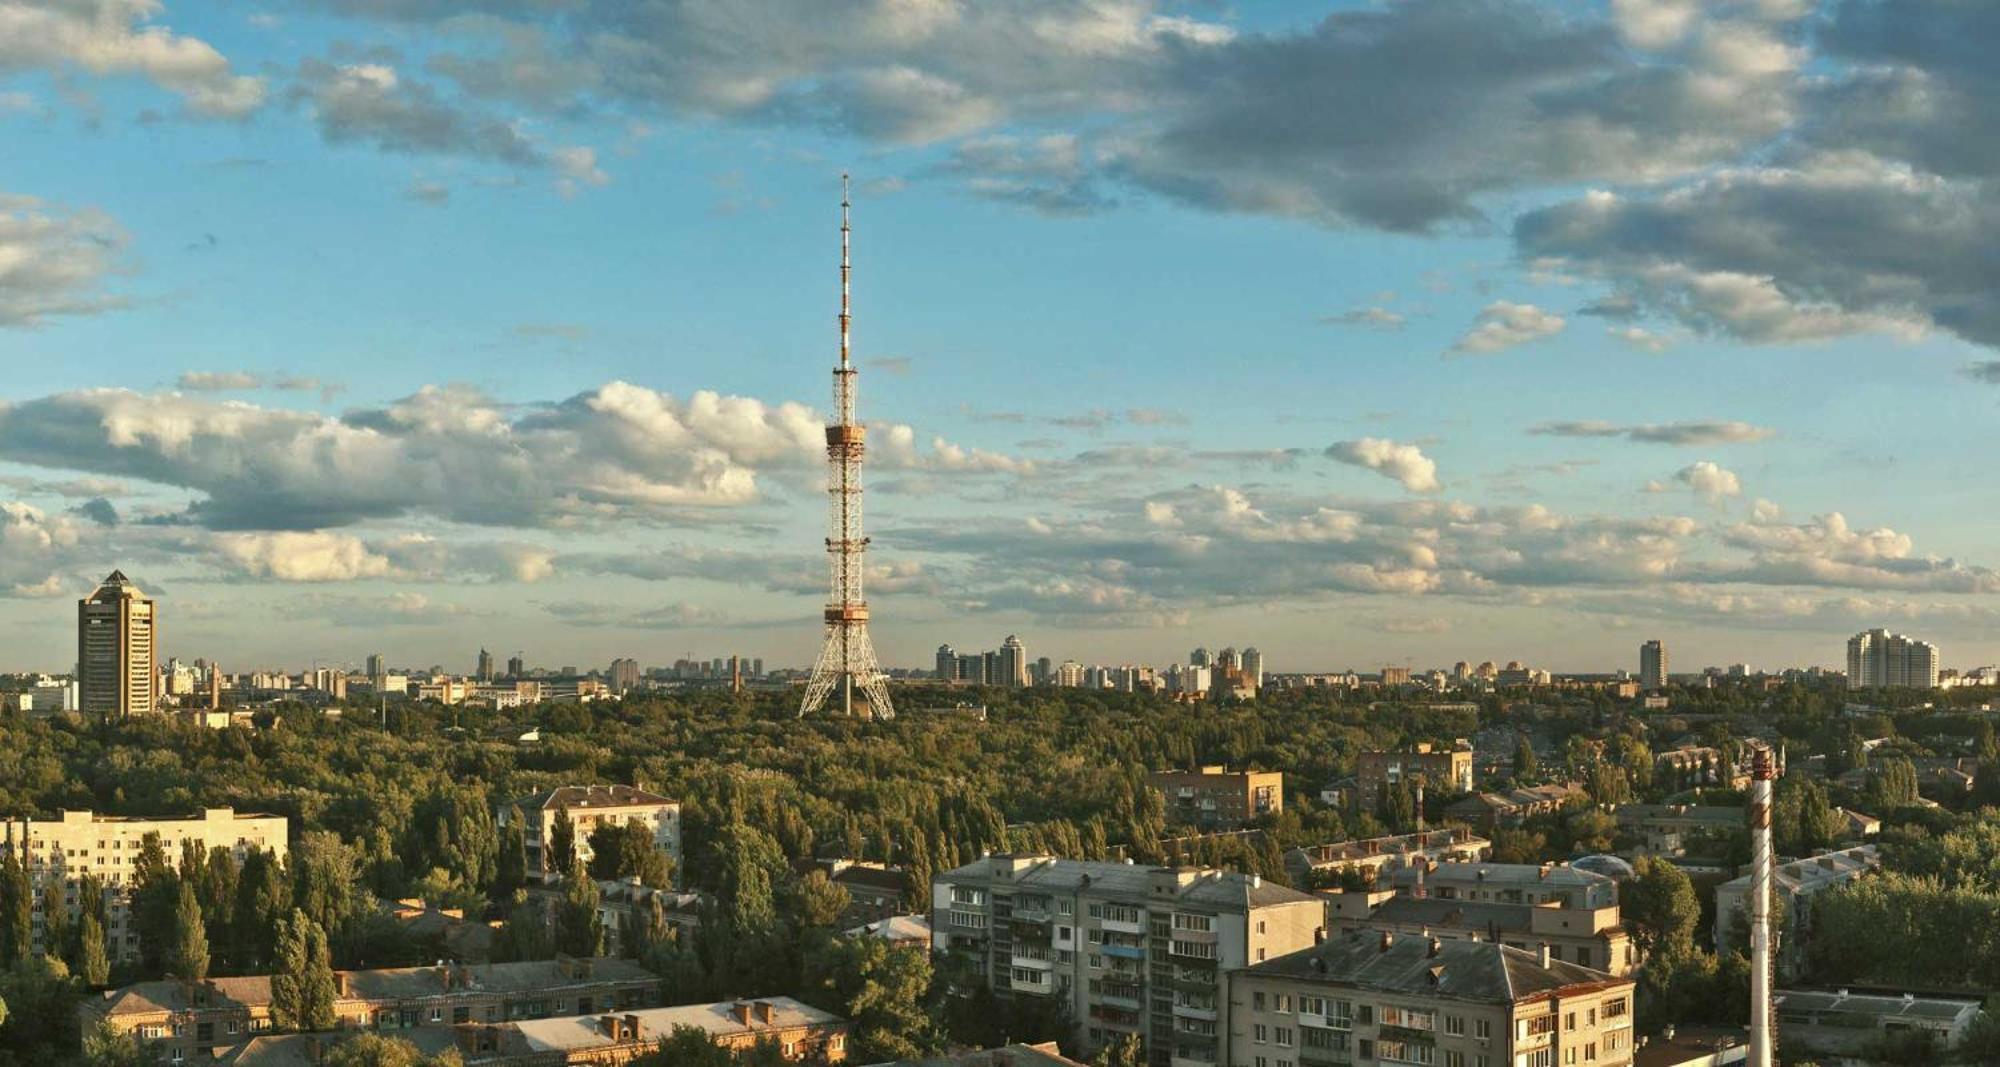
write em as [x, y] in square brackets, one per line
[60, 851]
[1129, 949]
[1442, 770]
[1839, 1025]
[1374, 857]
[117, 644]
[1588, 936]
[201, 1019]
[1214, 797]
[1513, 883]
[799, 1031]
[1510, 807]
[587, 807]
[1794, 885]
[624, 905]
[1386, 999]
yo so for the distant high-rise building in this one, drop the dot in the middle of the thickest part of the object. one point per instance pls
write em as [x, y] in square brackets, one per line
[947, 664]
[377, 670]
[971, 668]
[757, 667]
[1253, 667]
[1070, 674]
[1044, 670]
[1013, 663]
[624, 674]
[484, 671]
[1877, 659]
[1653, 664]
[1227, 660]
[989, 669]
[517, 667]
[117, 637]
[1200, 658]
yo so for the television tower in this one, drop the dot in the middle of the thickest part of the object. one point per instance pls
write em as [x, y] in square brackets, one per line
[847, 661]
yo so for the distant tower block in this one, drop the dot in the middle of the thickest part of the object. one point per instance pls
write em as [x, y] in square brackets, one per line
[847, 662]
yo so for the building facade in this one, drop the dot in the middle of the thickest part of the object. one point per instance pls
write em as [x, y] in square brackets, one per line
[1216, 798]
[1127, 949]
[1586, 936]
[1013, 663]
[1653, 665]
[1878, 659]
[59, 852]
[1367, 999]
[200, 1019]
[1374, 858]
[117, 645]
[1441, 770]
[1793, 885]
[587, 807]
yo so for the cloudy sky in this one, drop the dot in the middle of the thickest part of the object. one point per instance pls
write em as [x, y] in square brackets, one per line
[1365, 331]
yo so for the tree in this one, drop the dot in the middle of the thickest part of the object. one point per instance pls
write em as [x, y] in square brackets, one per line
[1660, 906]
[881, 989]
[1127, 1051]
[562, 843]
[579, 932]
[687, 1046]
[1892, 784]
[1527, 769]
[627, 850]
[303, 988]
[511, 868]
[263, 904]
[1606, 783]
[107, 1046]
[376, 1050]
[817, 902]
[91, 963]
[187, 956]
[17, 910]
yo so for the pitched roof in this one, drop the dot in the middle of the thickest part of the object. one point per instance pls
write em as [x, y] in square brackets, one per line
[718, 1020]
[171, 995]
[1478, 971]
[392, 983]
[1225, 888]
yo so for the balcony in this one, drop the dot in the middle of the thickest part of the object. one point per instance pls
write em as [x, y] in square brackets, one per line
[1190, 1061]
[1033, 962]
[1325, 1057]
[1123, 952]
[1182, 1011]
[1119, 926]
[1115, 1000]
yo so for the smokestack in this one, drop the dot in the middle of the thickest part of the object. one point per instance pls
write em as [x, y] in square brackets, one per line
[1763, 1046]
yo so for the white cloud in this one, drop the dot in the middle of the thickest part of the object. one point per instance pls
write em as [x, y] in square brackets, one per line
[1503, 324]
[1403, 462]
[1711, 482]
[54, 262]
[294, 556]
[116, 37]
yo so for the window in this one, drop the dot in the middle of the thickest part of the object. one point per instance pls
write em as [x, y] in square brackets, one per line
[968, 895]
[1538, 1026]
[1201, 923]
[1261, 1034]
[1541, 1057]
[1200, 950]
[1614, 1008]
[1282, 1002]
[1284, 1037]
[1569, 1022]
[1342, 1015]
[1256, 1002]
[1454, 1025]
[1454, 1059]
[1482, 1028]
[1063, 907]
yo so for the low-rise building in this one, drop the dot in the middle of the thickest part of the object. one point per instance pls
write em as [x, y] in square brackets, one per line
[1214, 797]
[798, 1031]
[1677, 829]
[59, 852]
[587, 807]
[1694, 1046]
[1045, 1054]
[1839, 1023]
[1320, 865]
[197, 1019]
[1510, 807]
[1443, 770]
[1512, 883]
[1794, 885]
[1589, 936]
[624, 905]
[902, 931]
[1128, 950]
[1381, 998]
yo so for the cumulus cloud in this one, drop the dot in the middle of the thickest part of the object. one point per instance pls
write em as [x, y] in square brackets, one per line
[1703, 432]
[1504, 324]
[121, 37]
[1710, 481]
[1403, 462]
[53, 262]
[35, 550]
[1379, 318]
[1985, 372]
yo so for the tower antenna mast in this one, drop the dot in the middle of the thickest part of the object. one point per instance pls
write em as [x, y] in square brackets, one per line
[847, 660]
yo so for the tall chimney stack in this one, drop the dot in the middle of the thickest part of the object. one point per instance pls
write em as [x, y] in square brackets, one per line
[1763, 1044]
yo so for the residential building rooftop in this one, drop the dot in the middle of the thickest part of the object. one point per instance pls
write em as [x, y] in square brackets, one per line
[1460, 970]
[1190, 884]
[578, 797]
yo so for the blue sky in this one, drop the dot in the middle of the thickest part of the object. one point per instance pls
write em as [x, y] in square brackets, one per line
[1363, 333]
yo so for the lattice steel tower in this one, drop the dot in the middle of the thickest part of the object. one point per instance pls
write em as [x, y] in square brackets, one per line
[848, 659]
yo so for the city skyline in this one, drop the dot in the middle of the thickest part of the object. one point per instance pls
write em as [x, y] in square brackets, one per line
[425, 334]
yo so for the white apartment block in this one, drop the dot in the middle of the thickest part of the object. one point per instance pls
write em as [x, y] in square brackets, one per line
[59, 852]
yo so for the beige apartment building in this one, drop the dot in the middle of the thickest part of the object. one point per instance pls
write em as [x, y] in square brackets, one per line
[203, 1019]
[1382, 999]
[1442, 770]
[1378, 858]
[1588, 936]
[60, 851]
[1128, 949]
[1214, 797]
[588, 806]
[117, 644]
[798, 1030]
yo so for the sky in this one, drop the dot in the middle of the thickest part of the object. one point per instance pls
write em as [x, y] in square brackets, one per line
[1366, 333]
